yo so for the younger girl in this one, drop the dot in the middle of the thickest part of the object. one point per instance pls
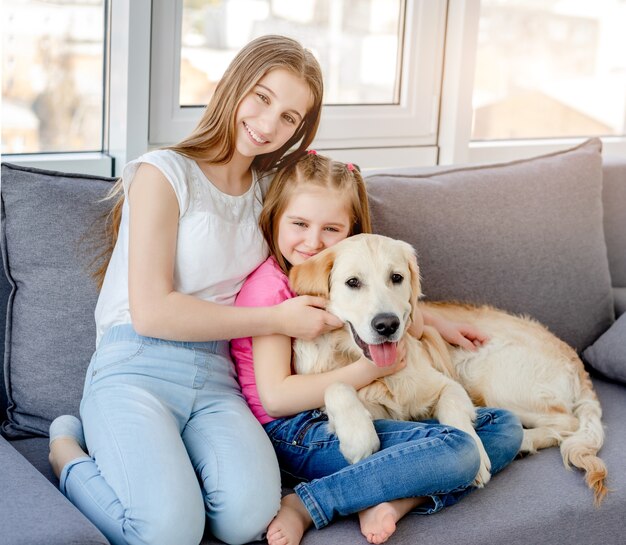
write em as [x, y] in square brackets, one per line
[421, 465]
[171, 441]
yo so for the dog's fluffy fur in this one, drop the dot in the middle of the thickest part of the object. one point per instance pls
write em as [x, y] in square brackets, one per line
[372, 283]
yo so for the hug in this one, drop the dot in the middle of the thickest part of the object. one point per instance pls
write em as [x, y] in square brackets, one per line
[264, 364]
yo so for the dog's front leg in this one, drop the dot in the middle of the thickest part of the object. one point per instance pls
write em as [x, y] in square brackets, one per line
[455, 408]
[351, 422]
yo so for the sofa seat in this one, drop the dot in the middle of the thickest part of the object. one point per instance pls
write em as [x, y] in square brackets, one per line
[535, 500]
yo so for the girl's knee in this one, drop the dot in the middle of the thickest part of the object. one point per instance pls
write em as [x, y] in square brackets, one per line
[175, 522]
[465, 453]
[504, 426]
[502, 434]
[244, 516]
[510, 428]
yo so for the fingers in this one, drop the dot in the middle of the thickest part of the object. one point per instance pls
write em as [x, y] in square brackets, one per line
[473, 334]
[314, 301]
[332, 321]
[466, 343]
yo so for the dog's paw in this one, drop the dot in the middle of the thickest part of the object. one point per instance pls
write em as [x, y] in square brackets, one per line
[359, 442]
[351, 421]
[484, 471]
[482, 477]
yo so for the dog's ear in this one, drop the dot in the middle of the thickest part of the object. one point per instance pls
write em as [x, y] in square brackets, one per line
[313, 276]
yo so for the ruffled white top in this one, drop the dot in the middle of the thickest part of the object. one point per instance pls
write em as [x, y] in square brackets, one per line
[219, 241]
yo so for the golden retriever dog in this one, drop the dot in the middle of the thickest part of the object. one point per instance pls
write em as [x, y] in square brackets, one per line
[372, 283]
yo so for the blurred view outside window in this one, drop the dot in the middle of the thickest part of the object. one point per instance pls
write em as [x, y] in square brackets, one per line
[357, 43]
[550, 68]
[52, 75]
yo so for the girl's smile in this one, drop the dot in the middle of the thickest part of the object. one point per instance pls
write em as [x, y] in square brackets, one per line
[269, 115]
[315, 218]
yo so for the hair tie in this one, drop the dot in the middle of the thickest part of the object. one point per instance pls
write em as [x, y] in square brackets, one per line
[311, 152]
[350, 166]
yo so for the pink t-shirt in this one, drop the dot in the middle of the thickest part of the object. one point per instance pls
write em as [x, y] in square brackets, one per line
[266, 286]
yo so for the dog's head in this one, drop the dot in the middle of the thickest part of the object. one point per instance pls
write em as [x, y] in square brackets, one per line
[372, 283]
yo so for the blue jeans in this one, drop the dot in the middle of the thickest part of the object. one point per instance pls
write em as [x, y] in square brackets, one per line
[171, 442]
[415, 459]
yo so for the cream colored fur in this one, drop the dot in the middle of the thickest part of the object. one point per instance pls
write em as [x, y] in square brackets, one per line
[416, 392]
[526, 369]
[523, 367]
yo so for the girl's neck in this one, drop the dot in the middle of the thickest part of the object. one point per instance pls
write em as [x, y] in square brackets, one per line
[232, 178]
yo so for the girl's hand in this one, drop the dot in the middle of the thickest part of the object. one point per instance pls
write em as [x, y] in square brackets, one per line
[461, 334]
[304, 317]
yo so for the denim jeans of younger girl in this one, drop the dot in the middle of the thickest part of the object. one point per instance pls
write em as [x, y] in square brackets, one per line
[172, 443]
[416, 459]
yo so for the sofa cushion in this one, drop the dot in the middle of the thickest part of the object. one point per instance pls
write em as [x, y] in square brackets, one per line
[46, 222]
[526, 236]
[614, 199]
[619, 295]
[32, 509]
[608, 353]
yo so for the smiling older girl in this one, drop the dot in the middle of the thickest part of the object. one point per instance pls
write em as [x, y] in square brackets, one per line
[170, 438]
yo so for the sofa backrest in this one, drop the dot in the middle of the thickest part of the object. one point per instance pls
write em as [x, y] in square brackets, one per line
[526, 236]
[435, 189]
[50, 227]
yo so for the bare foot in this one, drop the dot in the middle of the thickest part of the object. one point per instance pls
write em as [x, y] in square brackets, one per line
[289, 524]
[63, 450]
[378, 523]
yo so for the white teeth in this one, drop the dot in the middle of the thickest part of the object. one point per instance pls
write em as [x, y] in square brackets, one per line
[254, 135]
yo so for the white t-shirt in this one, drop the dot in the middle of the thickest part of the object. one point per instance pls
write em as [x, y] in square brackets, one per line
[219, 241]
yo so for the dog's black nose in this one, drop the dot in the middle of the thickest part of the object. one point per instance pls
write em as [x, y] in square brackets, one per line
[386, 324]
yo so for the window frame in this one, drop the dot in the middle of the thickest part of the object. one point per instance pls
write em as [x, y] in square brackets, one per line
[128, 100]
[409, 128]
[455, 143]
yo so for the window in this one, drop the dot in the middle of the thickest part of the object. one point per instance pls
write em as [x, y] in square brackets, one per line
[408, 82]
[53, 76]
[358, 44]
[381, 61]
[550, 70]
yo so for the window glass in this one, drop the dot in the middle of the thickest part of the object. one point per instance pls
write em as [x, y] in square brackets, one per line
[550, 68]
[356, 41]
[52, 75]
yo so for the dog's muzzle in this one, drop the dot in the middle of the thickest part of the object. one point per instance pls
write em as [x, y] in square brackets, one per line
[383, 354]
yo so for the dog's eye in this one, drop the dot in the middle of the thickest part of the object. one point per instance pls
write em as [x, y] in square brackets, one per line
[397, 278]
[353, 282]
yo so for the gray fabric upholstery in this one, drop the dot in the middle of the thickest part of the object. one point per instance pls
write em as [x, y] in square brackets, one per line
[5, 291]
[50, 332]
[514, 235]
[620, 300]
[33, 511]
[608, 354]
[614, 200]
[535, 500]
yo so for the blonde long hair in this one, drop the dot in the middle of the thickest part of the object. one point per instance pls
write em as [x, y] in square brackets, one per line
[213, 139]
[321, 171]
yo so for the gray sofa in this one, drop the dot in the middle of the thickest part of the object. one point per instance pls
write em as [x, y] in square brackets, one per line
[544, 236]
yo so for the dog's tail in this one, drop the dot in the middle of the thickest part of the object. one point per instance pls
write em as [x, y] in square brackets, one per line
[580, 449]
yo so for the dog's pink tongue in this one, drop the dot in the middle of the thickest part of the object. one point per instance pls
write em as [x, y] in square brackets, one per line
[383, 354]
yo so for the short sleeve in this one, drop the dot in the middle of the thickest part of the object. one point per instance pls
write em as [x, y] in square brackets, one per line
[173, 166]
[264, 287]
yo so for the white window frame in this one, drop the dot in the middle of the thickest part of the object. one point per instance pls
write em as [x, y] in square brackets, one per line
[393, 134]
[447, 107]
[455, 143]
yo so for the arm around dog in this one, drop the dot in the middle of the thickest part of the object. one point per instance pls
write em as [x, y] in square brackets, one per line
[458, 334]
[284, 394]
[158, 310]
